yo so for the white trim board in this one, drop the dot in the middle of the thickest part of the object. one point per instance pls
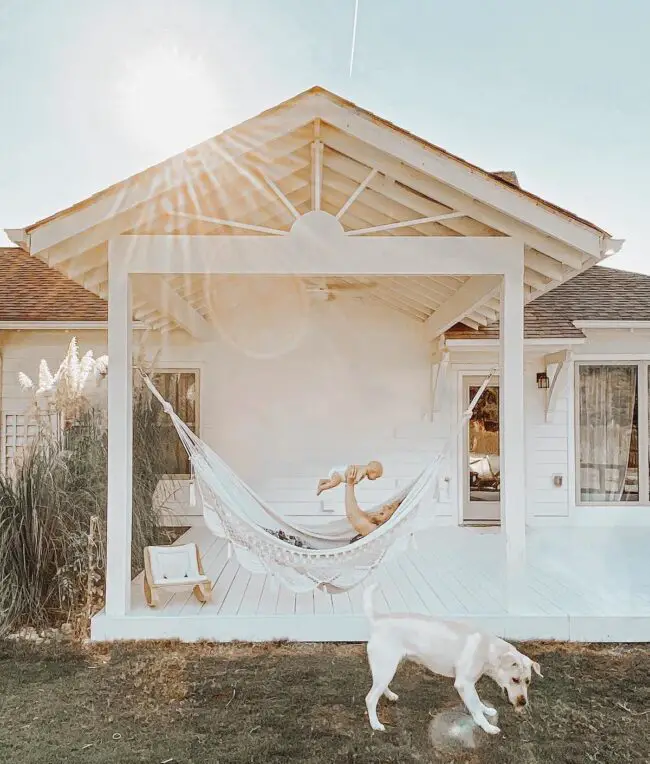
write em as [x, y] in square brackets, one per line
[61, 325]
[331, 253]
[611, 324]
[353, 628]
[478, 344]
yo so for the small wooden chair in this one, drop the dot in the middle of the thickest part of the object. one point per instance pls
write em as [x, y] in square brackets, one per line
[174, 567]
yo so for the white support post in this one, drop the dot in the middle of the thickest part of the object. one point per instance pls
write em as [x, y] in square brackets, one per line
[120, 440]
[513, 483]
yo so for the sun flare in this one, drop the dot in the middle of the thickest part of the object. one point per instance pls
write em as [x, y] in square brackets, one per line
[168, 99]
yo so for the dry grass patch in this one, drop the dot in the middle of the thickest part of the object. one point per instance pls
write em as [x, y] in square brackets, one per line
[278, 702]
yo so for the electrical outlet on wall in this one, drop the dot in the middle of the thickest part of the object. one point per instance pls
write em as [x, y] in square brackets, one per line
[558, 481]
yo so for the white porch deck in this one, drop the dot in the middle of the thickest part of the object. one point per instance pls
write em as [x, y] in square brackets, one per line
[582, 584]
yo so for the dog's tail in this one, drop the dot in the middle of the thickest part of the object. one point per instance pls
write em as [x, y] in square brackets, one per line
[368, 603]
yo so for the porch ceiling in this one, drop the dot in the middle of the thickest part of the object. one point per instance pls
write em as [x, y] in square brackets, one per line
[319, 152]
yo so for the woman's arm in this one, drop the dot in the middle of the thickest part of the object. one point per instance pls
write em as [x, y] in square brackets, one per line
[356, 516]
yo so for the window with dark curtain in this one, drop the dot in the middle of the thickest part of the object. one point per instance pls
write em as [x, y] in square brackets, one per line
[180, 388]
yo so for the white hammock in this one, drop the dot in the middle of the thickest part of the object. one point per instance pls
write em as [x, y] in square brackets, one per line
[233, 511]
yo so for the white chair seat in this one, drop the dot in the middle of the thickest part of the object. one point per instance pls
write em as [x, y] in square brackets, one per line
[185, 581]
[174, 567]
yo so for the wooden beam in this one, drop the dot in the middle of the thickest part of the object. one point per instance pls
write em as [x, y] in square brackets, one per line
[232, 224]
[318, 251]
[534, 279]
[450, 197]
[281, 196]
[469, 322]
[415, 306]
[362, 217]
[230, 202]
[413, 286]
[407, 223]
[356, 193]
[316, 168]
[86, 262]
[474, 291]
[455, 174]
[158, 292]
[382, 189]
[94, 277]
[120, 210]
[544, 265]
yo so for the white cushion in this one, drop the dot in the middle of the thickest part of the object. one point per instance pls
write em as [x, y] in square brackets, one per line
[172, 565]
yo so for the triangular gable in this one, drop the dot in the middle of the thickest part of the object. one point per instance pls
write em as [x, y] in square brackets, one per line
[319, 149]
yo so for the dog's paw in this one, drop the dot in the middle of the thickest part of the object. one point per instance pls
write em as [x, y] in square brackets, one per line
[379, 727]
[390, 695]
[489, 711]
[491, 729]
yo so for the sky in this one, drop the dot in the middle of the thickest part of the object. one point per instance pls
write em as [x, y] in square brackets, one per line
[557, 90]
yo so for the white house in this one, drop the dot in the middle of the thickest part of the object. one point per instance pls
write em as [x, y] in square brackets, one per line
[331, 288]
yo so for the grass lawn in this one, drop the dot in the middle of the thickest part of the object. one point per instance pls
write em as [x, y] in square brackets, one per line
[167, 702]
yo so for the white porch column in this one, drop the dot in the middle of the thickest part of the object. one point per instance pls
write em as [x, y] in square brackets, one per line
[513, 480]
[120, 441]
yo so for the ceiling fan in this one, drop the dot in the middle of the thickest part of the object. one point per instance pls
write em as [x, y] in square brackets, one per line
[330, 290]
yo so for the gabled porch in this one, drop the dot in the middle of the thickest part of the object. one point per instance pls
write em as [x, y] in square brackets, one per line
[323, 192]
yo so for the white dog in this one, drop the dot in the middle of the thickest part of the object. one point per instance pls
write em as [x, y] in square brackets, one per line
[447, 648]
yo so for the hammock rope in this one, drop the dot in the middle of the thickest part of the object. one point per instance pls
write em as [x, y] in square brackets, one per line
[233, 511]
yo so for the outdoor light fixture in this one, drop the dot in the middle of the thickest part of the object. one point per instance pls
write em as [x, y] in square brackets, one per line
[542, 380]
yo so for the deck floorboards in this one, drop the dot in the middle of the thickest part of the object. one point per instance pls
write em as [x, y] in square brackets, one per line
[595, 578]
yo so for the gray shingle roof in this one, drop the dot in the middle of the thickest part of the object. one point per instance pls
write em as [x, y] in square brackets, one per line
[599, 294]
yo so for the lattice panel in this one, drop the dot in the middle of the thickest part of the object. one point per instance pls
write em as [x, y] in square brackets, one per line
[18, 431]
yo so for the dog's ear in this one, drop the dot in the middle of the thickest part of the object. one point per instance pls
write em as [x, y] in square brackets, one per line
[509, 660]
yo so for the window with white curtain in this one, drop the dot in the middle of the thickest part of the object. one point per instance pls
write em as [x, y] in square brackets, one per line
[612, 433]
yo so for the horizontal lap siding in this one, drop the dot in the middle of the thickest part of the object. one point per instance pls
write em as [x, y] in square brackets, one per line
[23, 351]
[547, 448]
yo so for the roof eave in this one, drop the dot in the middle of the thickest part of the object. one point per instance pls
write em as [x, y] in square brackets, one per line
[610, 246]
[19, 237]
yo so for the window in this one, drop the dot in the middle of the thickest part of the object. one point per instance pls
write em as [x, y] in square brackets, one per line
[180, 388]
[612, 433]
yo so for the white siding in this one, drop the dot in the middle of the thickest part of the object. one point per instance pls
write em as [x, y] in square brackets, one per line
[547, 448]
[357, 388]
[23, 350]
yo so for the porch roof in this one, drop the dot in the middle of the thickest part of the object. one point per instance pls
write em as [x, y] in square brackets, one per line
[30, 291]
[599, 294]
[320, 151]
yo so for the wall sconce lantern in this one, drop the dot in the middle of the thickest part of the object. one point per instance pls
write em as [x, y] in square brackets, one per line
[542, 380]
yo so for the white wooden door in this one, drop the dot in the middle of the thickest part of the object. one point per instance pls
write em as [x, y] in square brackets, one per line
[481, 455]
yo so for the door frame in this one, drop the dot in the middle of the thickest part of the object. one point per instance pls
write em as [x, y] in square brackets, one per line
[479, 371]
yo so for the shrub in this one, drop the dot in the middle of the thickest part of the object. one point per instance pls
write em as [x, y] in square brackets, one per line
[54, 495]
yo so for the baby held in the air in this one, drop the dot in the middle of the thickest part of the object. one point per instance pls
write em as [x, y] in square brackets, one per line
[371, 471]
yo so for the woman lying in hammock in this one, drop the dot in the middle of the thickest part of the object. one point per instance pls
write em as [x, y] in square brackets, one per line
[364, 522]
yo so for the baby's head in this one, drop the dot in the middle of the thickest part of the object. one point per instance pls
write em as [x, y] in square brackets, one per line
[374, 470]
